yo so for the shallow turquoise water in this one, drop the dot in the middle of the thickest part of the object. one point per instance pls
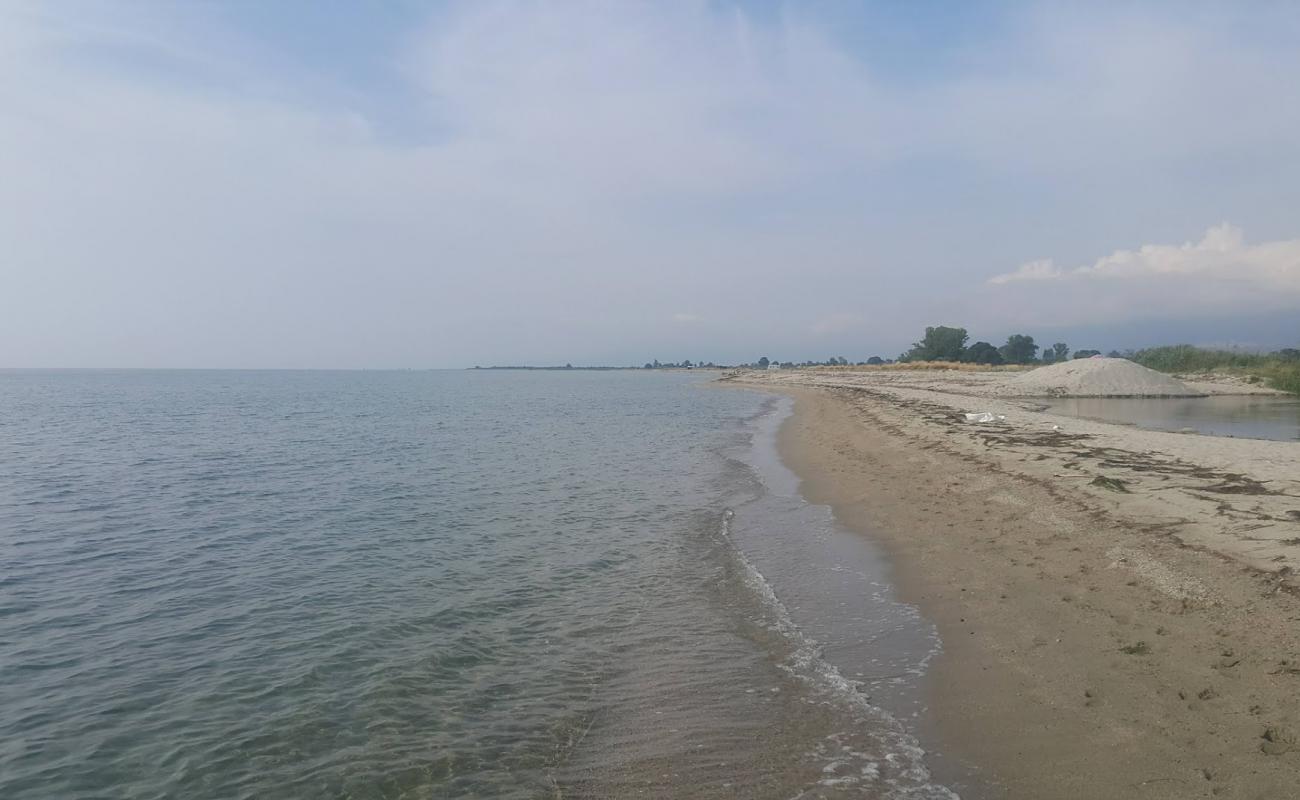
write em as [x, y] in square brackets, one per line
[431, 584]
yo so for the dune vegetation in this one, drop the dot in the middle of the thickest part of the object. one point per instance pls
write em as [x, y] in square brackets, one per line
[916, 366]
[1279, 369]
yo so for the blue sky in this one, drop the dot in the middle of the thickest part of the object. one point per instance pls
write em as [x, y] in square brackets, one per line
[406, 184]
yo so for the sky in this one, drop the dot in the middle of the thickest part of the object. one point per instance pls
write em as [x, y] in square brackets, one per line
[412, 184]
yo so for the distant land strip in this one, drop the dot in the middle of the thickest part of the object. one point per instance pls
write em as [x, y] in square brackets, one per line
[569, 367]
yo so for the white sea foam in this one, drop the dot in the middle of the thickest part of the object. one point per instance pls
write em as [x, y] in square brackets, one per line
[905, 774]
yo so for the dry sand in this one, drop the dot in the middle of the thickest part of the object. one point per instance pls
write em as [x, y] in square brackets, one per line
[1097, 377]
[1098, 643]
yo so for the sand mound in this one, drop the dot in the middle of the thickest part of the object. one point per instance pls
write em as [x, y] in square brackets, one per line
[1097, 377]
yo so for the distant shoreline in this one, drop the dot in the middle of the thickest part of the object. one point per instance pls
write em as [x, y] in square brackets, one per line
[605, 369]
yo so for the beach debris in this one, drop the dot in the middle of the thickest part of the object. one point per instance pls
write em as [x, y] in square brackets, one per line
[1136, 649]
[1277, 740]
[1159, 575]
[1113, 484]
[986, 416]
[1228, 661]
[1285, 667]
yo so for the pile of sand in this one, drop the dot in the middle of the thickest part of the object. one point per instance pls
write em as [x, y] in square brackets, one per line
[1096, 377]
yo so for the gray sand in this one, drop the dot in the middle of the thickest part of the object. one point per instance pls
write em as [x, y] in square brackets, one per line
[1096, 377]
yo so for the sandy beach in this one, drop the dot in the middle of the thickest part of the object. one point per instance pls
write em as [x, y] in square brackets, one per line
[1118, 606]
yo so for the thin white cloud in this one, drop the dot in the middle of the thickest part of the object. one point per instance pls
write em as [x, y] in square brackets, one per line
[1043, 270]
[1221, 254]
[1221, 274]
[684, 317]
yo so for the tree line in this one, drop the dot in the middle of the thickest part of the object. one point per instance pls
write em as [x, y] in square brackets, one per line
[943, 343]
[834, 361]
[685, 363]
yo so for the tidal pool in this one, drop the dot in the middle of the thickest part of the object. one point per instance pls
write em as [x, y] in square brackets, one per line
[1248, 417]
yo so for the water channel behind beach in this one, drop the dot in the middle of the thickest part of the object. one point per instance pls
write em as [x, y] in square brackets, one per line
[1247, 417]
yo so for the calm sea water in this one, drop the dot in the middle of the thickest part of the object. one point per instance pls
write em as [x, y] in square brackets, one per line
[1247, 416]
[434, 584]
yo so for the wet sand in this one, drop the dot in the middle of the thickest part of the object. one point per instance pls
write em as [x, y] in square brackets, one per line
[1137, 638]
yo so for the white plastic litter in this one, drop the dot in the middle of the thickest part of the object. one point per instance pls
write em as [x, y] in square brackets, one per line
[986, 416]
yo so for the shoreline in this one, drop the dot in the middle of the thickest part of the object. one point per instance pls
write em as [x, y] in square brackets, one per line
[1094, 646]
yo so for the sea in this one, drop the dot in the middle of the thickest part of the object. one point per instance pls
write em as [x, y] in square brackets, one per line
[436, 584]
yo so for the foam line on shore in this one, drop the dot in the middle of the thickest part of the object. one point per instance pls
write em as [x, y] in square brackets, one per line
[900, 768]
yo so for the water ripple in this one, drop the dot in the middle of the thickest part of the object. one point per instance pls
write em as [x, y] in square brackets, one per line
[382, 585]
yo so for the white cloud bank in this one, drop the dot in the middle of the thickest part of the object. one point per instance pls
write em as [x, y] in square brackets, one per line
[1221, 274]
[546, 181]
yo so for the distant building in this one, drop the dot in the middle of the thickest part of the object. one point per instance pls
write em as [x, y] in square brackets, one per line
[773, 366]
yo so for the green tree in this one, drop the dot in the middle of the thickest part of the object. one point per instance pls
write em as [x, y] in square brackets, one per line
[1086, 353]
[940, 343]
[1019, 349]
[982, 353]
[763, 362]
[1060, 351]
[875, 360]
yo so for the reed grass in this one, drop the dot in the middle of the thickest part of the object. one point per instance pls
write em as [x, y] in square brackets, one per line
[1272, 369]
[922, 366]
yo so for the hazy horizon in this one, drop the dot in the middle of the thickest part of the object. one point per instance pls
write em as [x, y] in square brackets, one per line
[242, 185]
